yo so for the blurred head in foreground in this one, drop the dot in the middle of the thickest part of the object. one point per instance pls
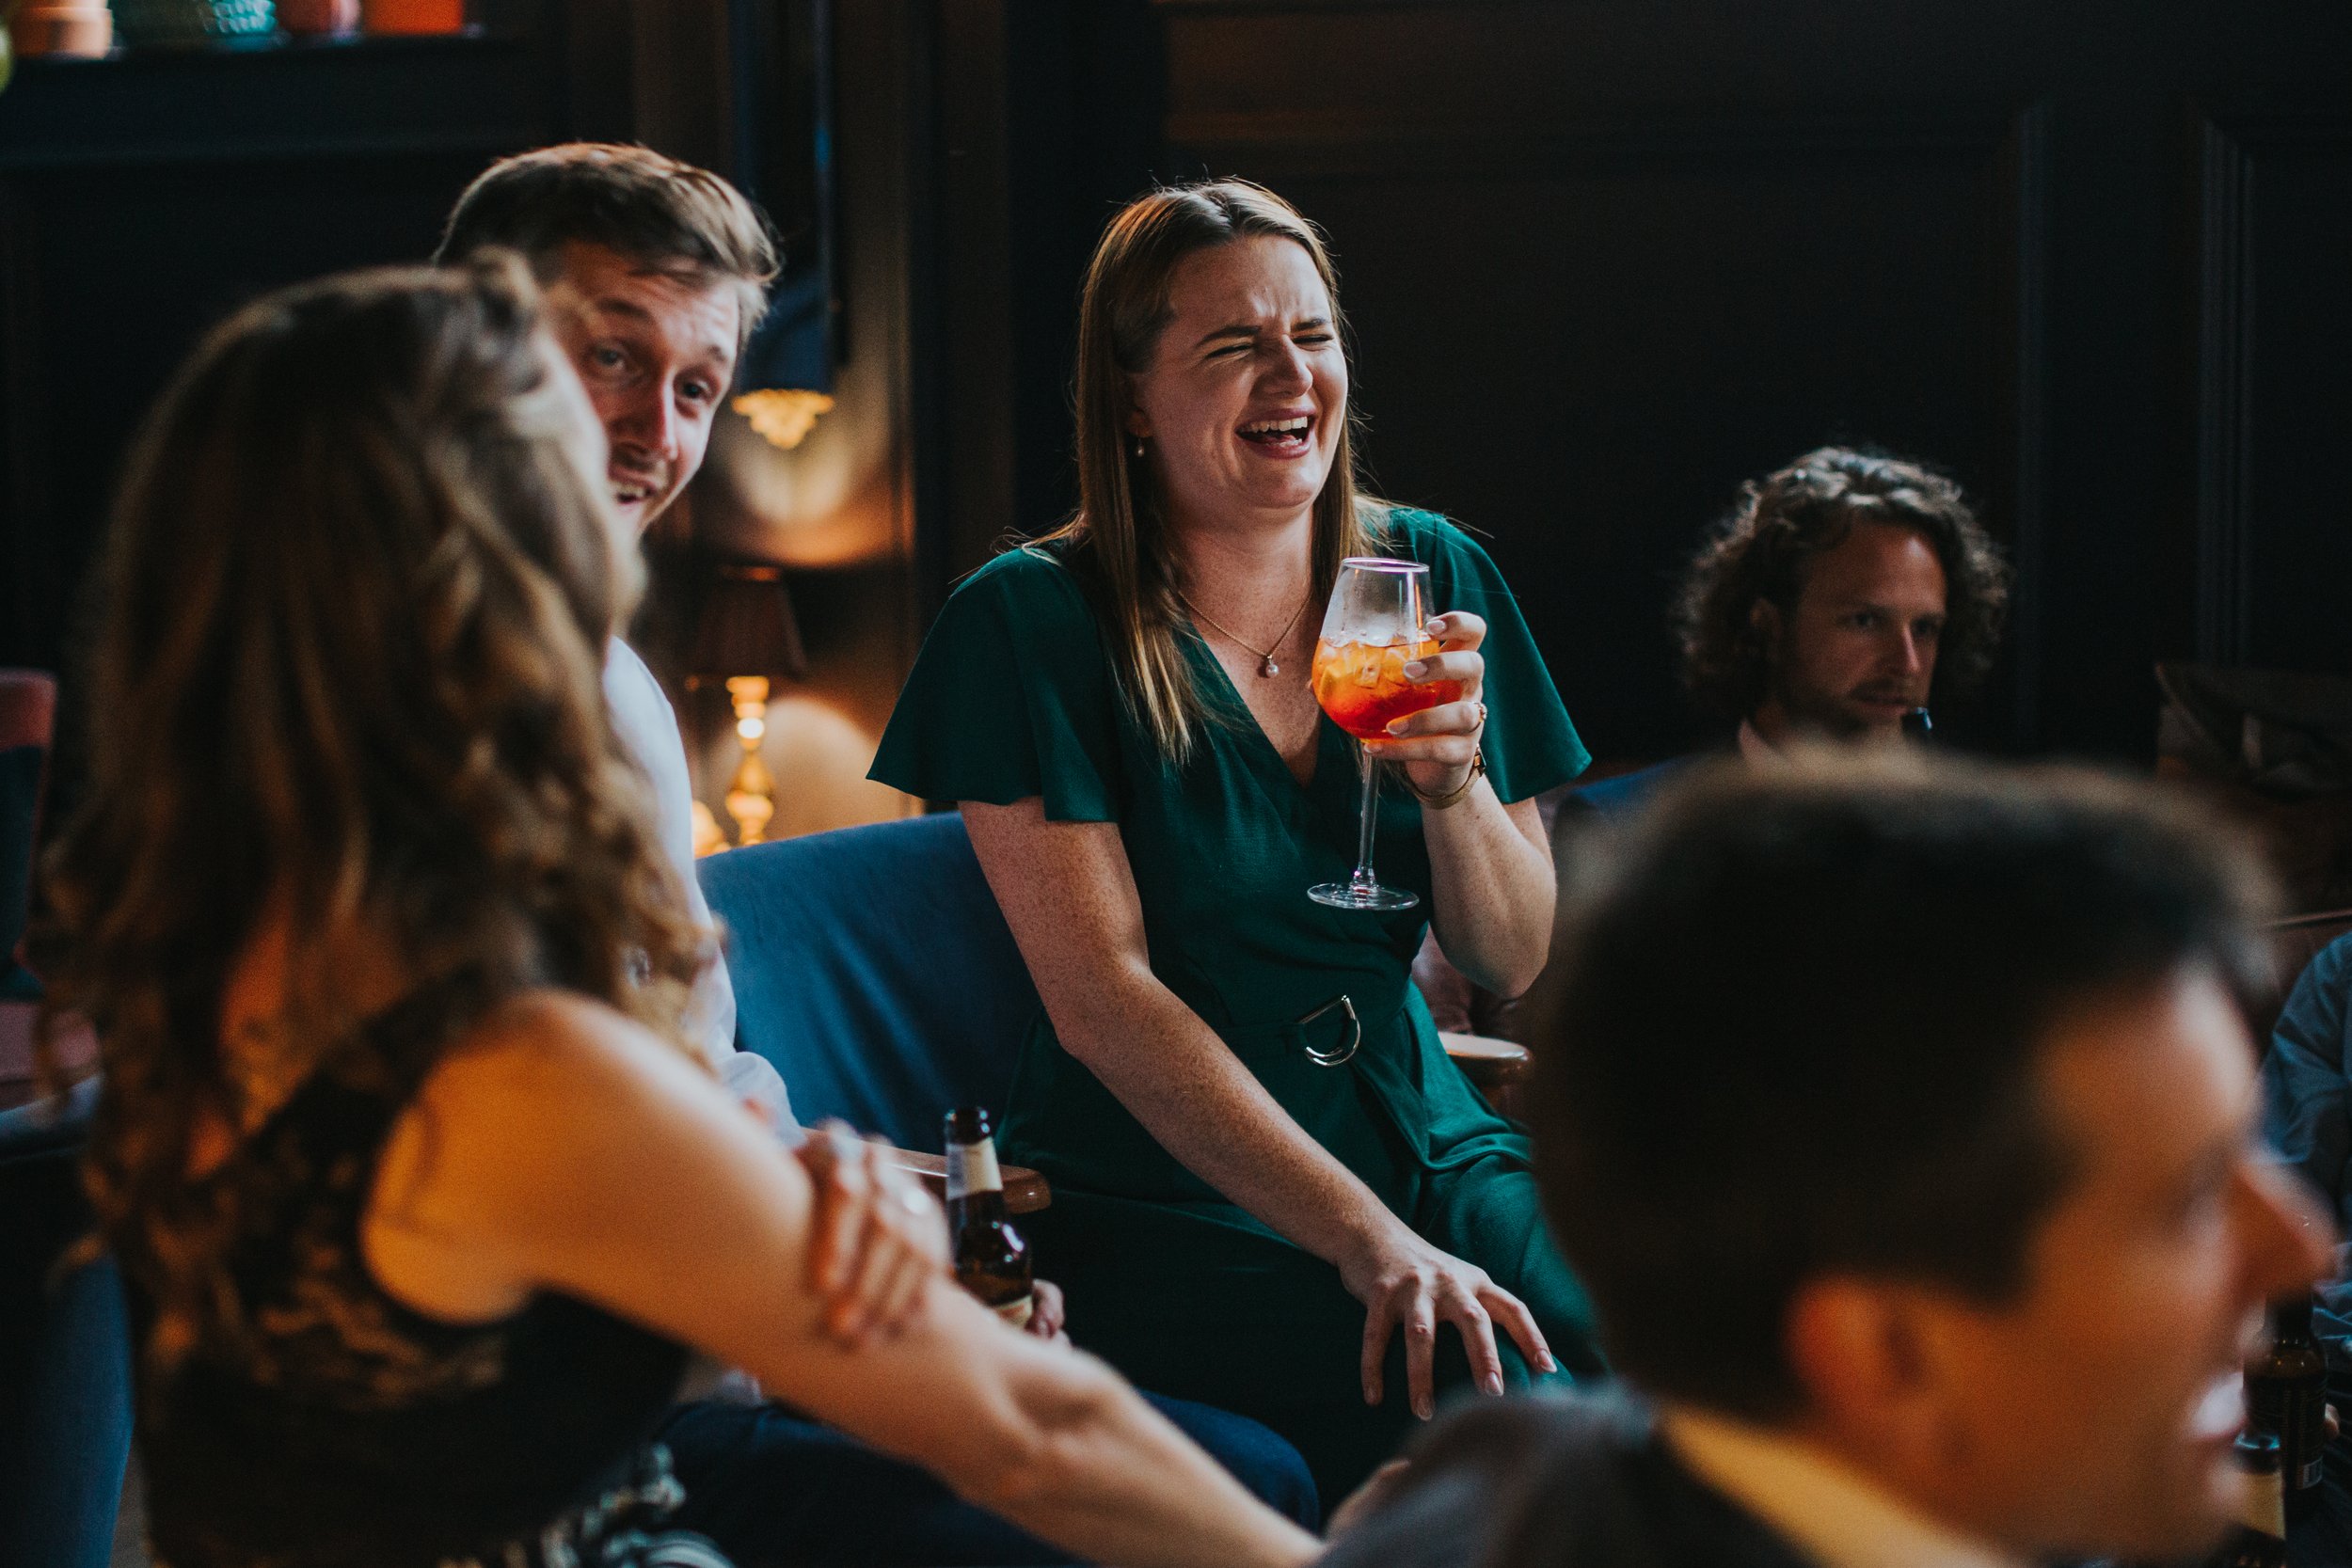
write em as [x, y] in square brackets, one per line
[1950, 1167]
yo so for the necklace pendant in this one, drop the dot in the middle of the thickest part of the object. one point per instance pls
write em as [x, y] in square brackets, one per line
[1269, 667]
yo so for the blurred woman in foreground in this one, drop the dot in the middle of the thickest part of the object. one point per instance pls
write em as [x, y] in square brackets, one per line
[420, 1200]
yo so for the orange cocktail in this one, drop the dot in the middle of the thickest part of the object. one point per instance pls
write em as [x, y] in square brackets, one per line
[1362, 685]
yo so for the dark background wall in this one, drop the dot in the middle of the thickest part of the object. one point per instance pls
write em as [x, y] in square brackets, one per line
[1605, 261]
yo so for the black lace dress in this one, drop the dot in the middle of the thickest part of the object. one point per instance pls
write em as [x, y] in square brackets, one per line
[318, 1422]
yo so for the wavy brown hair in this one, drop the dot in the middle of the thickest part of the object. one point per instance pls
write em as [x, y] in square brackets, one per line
[1761, 552]
[1117, 542]
[346, 672]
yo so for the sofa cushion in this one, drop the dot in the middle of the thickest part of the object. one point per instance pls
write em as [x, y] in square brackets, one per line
[872, 967]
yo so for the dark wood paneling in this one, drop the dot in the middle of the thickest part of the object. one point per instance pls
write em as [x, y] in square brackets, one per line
[2273, 515]
[116, 269]
[1544, 317]
[1604, 260]
[144, 198]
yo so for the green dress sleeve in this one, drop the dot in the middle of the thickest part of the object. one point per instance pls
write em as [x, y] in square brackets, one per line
[1012, 697]
[1530, 744]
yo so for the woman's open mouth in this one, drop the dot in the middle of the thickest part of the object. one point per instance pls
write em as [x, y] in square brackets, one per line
[1283, 437]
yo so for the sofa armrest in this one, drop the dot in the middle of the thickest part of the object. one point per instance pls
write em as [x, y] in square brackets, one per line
[1026, 1191]
[1497, 1067]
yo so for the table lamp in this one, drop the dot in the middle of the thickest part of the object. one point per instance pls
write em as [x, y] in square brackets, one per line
[746, 637]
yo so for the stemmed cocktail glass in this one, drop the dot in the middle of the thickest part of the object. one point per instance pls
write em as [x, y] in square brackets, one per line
[1374, 629]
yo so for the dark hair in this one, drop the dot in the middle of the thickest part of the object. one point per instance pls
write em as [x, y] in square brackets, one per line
[354, 604]
[1795, 1028]
[668, 216]
[1761, 551]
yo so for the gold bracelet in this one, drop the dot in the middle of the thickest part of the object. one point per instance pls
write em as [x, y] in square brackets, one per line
[1451, 797]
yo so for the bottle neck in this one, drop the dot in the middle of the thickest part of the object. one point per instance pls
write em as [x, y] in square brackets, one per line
[972, 1170]
[2291, 1319]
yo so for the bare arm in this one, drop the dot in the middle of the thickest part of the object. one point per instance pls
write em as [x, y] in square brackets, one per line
[1490, 865]
[1070, 896]
[569, 1151]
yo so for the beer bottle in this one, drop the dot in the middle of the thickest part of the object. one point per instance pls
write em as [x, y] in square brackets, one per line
[2286, 1395]
[992, 1257]
[2259, 1539]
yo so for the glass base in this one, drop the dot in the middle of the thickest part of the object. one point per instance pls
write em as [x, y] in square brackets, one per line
[1362, 895]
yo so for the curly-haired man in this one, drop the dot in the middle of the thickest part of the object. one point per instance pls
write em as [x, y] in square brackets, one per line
[1842, 594]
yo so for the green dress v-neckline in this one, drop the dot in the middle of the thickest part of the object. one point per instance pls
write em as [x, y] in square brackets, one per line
[1226, 697]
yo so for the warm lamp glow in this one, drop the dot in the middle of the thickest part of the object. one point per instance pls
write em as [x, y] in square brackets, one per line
[752, 798]
[746, 637]
[782, 414]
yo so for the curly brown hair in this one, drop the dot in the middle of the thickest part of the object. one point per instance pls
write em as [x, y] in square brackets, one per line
[351, 621]
[1761, 552]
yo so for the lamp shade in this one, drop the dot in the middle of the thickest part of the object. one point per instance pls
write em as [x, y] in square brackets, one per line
[747, 626]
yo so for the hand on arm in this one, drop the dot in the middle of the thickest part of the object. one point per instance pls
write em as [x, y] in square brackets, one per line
[1049, 1314]
[878, 1234]
[571, 1152]
[1490, 862]
[1070, 896]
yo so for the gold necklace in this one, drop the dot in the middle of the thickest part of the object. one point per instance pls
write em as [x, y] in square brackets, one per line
[1265, 657]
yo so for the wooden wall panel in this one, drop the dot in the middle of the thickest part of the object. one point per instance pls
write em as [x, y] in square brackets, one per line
[2274, 536]
[1543, 320]
[1605, 261]
[144, 198]
[115, 271]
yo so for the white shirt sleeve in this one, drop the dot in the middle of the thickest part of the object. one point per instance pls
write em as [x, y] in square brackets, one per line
[648, 726]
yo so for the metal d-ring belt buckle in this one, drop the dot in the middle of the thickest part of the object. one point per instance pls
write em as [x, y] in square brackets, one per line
[1355, 1032]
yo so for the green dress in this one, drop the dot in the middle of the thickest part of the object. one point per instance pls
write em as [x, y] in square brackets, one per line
[1014, 696]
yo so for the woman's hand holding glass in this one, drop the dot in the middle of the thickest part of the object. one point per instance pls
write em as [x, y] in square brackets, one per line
[1435, 746]
[1380, 670]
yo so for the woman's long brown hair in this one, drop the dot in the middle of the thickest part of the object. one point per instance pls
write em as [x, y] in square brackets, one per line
[1117, 542]
[347, 673]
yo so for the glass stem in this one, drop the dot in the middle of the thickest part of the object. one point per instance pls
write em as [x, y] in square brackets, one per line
[1370, 769]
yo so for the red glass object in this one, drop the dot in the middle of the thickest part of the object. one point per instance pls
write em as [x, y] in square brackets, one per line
[1362, 685]
[396, 18]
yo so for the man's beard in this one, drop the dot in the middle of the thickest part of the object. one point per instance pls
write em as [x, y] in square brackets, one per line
[1815, 712]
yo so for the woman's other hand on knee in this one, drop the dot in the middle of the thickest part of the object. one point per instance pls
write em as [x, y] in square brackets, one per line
[1405, 1282]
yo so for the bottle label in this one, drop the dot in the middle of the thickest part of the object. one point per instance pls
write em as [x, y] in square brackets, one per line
[2296, 1414]
[972, 1168]
[1018, 1311]
[2261, 1506]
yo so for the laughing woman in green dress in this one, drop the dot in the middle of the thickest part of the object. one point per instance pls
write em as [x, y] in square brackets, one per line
[1272, 1190]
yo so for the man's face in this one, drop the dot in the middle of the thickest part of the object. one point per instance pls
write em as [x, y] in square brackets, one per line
[2094, 1416]
[656, 351]
[1858, 651]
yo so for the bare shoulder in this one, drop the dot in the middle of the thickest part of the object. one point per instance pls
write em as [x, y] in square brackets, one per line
[542, 1150]
[553, 1044]
[538, 1091]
